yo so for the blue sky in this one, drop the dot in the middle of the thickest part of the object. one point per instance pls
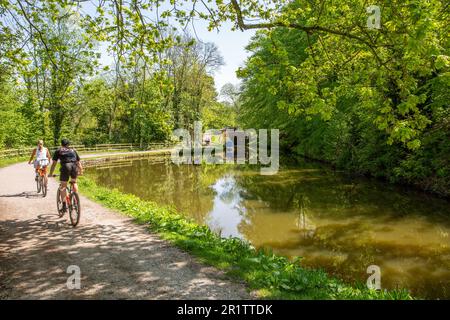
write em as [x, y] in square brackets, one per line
[231, 46]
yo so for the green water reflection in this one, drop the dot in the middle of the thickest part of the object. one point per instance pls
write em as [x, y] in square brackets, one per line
[336, 223]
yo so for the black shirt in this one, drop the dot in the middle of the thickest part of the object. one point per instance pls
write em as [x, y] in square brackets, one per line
[66, 155]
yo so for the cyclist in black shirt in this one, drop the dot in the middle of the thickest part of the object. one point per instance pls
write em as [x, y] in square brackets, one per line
[70, 166]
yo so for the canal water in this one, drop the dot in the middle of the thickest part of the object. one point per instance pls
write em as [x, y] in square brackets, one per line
[337, 223]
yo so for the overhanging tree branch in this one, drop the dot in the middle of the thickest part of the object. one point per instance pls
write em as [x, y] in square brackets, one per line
[308, 29]
[40, 35]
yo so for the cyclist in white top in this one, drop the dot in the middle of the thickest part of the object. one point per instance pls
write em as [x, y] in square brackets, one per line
[42, 156]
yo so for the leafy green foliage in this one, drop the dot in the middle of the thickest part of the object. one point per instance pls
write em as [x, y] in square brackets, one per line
[156, 83]
[378, 108]
[218, 115]
[14, 128]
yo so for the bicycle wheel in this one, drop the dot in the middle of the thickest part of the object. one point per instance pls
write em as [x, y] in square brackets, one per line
[38, 184]
[59, 204]
[74, 209]
[44, 187]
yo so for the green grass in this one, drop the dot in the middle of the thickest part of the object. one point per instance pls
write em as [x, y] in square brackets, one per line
[7, 161]
[272, 276]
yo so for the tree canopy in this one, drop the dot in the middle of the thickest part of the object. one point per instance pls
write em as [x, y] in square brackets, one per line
[361, 84]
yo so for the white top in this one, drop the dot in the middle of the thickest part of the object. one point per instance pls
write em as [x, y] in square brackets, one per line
[41, 154]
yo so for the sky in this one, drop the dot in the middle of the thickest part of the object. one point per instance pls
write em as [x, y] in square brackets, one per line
[231, 45]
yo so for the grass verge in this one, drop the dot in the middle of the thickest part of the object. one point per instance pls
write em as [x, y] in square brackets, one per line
[7, 161]
[272, 276]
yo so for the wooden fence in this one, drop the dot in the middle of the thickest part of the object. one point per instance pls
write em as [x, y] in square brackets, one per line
[97, 148]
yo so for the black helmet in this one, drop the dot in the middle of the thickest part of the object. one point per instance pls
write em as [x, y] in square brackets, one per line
[65, 142]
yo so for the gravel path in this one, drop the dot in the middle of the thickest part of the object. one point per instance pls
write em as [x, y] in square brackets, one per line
[118, 259]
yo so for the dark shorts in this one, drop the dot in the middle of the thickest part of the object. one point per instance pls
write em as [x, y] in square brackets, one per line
[68, 170]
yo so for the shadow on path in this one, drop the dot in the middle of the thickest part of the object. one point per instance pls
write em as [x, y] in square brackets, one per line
[25, 194]
[114, 260]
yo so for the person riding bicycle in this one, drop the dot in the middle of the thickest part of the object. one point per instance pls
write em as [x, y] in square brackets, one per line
[42, 157]
[70, 167]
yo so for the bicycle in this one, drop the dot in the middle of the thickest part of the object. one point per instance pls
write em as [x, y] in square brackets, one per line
[73, 204]
[42, 180]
